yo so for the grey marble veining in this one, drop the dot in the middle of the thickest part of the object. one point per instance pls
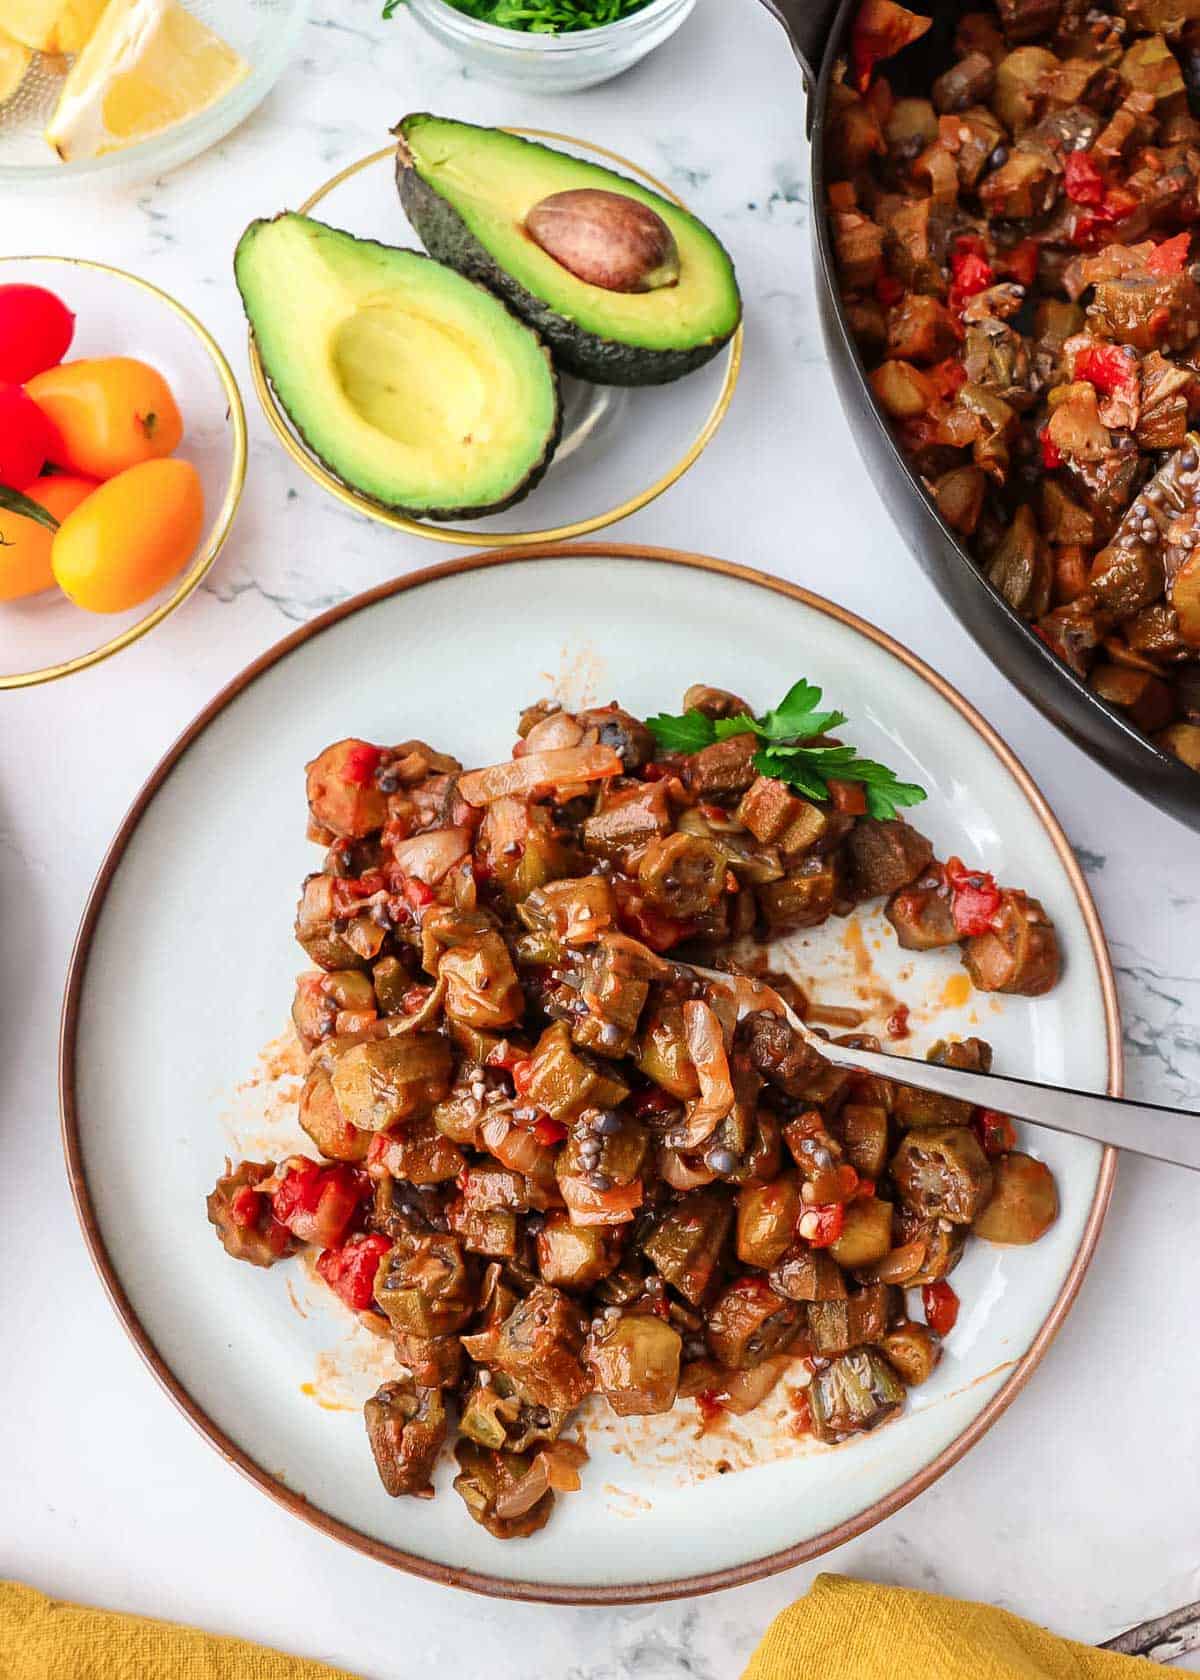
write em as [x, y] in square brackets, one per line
[1079, 1508]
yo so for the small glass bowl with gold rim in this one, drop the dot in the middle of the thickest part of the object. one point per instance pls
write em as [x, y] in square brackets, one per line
[45, 636]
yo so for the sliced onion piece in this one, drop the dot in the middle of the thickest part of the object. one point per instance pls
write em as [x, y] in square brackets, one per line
[706, 1047]
[553, 733]
[430, 856]
[681, 1174]
[512, 1145]
[539, 772]
[421, 1017]
[600, 1207]
[555, 1467]
[900, 1266]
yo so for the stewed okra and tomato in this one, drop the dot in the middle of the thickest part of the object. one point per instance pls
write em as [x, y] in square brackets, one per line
[1016, 266]
[549, 1160]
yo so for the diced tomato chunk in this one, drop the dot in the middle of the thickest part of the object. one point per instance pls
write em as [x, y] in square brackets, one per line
[888, 290]
[1170, 256]
[246, 1206]
[820, 1226]
[881, 29]
[801, 1421]
[1082, 179]
[941, 1306]
[995, 1131]
[318, 1203]
[644, 922]
[350, 1270]
[1094, 226]
[1107, 367]
[975, 898]
[970, 270]
[548, 1132]
[707, 1404]
[361, 763]
[897, 1023]
[522, 1075]
[864, 1191]
[1052, 455]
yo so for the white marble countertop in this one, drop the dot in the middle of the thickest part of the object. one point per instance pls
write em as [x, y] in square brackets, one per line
[1079, 1509]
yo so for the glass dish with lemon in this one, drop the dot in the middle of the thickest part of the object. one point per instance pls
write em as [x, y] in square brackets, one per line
[131, 87]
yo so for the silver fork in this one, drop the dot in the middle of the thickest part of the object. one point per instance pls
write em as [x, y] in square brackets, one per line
[1164, 1134]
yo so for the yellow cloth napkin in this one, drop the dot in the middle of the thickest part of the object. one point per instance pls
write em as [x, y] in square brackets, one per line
[851, 1630]
[843, 1630]
[42, 1639]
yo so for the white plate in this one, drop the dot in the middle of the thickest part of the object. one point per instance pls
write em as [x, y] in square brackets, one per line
[184, 972]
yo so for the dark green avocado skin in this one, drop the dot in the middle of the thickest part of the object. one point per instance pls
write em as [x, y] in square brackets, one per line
[603, 361]
[436, 514]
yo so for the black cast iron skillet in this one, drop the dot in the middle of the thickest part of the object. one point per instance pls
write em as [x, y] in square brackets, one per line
[819, 30]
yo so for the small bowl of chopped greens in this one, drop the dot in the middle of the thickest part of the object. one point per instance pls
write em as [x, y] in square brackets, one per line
[547, 46]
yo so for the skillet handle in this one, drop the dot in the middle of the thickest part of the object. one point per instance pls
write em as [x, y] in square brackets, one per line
[808, 25]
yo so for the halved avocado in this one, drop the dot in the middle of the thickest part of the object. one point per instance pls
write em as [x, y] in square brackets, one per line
[468, 191]
[414, 385]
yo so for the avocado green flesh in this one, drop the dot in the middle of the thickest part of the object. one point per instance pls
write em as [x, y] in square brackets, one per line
[412, 384]
[468, 190]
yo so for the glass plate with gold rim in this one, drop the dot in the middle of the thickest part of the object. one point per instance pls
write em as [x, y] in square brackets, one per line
[620, 449]
[46, 636]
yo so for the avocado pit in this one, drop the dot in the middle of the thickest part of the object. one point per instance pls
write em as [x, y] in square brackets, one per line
[606, 239]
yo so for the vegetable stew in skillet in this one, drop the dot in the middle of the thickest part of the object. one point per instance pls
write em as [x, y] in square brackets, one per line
[1015, 254]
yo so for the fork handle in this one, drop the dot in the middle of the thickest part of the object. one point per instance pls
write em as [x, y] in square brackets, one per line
[1164, 1134]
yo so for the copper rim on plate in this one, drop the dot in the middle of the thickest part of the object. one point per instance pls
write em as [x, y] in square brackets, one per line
[547, 1592]
[312, 468]
[213, 541]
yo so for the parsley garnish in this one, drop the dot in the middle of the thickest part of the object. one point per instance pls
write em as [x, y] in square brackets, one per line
[540, 17]
[782, 731]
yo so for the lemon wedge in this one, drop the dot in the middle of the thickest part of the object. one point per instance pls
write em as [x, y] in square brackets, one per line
[50, 26]
[148, 66]
[14, 61]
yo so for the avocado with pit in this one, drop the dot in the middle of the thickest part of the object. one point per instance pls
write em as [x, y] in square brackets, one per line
[625, 287]
[412, 384]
